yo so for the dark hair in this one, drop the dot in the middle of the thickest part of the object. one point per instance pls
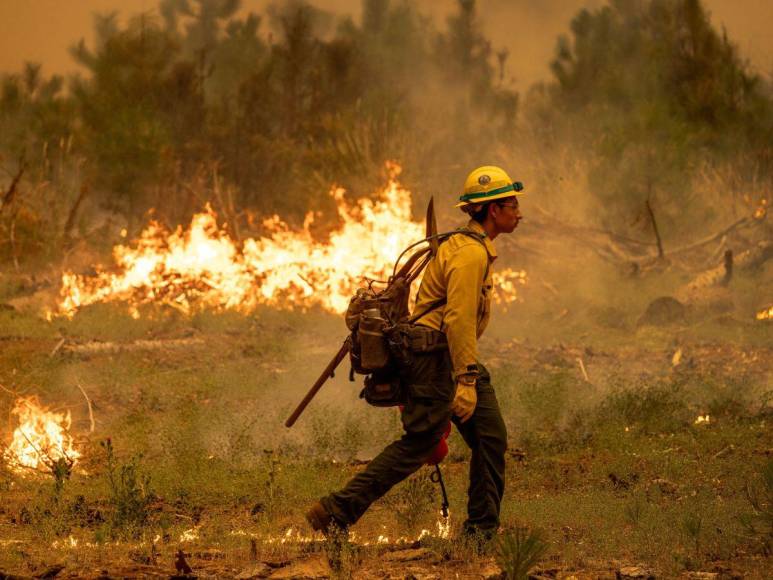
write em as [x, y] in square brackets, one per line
[480, 215]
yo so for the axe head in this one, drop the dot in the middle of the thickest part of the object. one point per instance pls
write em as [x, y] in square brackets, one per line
[432, 226]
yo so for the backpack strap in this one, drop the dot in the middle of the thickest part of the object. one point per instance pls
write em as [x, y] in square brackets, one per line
[442, 238]
[434, 306]
[476, 236]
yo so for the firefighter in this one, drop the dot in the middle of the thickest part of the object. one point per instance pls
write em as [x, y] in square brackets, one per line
[449, 383]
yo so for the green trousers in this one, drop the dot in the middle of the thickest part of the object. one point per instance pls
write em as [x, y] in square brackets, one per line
[430, 391]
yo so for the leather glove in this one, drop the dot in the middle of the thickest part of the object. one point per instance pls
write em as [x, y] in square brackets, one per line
[466, 397]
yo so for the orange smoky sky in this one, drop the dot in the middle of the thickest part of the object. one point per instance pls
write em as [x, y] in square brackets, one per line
[43, 30]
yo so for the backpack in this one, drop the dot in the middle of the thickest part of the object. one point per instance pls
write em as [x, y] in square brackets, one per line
[382, 331]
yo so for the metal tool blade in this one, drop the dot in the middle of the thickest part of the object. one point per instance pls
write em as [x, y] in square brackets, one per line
[432, 226]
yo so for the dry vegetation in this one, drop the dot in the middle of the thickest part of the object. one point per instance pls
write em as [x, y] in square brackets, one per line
[633, 373]
[188, 451]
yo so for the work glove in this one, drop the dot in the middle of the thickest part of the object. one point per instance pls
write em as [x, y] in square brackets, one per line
[466, 397]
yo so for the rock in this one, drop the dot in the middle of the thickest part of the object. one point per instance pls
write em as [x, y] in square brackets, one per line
[310, 569]
[634, 573]
[259, 570]
[663, 311]
[411, 555]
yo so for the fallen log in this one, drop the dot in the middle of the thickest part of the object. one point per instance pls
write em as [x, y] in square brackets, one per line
[617, 248]
[97, 347]
[748, 260]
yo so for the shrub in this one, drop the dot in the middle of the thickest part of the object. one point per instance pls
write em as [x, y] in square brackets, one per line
[519, 550]
[130, 494]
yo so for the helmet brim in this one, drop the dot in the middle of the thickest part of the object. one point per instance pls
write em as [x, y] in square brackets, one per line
[481, 200]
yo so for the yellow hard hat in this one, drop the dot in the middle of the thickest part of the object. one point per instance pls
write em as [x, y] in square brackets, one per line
[486, 184]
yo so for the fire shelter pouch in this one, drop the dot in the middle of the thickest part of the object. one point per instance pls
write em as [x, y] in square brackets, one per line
[383, 389]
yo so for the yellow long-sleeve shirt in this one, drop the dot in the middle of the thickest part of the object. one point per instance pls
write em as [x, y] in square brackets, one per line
[457, 273]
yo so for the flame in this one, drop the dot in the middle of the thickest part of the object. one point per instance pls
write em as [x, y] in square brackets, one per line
[298, 536]
[68, 542]
[444, 526]
[766, 314]
[42, 437]
[702, 420]
[505, 283]
[203, 267]
[762, 209]
[189, 535]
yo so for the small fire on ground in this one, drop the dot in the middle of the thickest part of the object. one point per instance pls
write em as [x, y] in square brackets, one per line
[204, 267]
[702, 420]
[766, 314]
[41, 439]
[299, 536]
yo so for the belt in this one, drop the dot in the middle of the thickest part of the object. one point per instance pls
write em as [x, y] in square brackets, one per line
[425, 339]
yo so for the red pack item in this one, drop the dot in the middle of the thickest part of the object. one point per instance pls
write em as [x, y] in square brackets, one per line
[440, 452]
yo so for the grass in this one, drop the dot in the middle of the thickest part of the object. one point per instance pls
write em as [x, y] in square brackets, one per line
[518, 551]
[612, 470]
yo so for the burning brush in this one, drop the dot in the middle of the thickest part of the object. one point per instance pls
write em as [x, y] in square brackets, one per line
[42, 441]
[204, 267]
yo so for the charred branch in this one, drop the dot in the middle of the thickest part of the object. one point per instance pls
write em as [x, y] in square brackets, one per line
[714, 237]
[655, 228]
[68, 225]
[635, 255]
[728, 267]
[10, 194]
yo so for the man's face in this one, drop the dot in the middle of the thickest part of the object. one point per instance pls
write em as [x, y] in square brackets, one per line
[507, 214]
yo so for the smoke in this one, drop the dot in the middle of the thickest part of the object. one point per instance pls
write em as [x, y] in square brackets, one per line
[42, 31]
[527, 30]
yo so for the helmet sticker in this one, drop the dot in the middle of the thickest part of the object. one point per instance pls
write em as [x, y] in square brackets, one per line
[484, 179]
